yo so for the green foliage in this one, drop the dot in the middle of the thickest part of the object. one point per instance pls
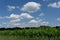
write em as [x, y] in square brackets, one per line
[47, 33]
[41, 31]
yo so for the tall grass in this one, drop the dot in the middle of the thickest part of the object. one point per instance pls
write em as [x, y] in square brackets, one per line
[40, 33]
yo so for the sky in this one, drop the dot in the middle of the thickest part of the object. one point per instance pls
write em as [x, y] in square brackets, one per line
[29, 13]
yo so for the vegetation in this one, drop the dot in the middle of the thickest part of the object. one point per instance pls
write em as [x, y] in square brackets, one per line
[39, 33]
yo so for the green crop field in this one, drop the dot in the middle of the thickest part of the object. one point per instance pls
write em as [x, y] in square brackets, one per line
[41, 33]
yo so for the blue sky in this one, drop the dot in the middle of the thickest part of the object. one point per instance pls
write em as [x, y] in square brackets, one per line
[30, 13]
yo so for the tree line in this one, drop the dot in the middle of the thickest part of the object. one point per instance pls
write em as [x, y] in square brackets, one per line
[57, 27]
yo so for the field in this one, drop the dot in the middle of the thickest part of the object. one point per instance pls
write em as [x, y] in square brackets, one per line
[40, 33]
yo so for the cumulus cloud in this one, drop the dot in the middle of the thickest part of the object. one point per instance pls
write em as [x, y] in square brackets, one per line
[44, 23]
[38, 22]
[58, 25]
[13, 24]
[31, 7]
[42, 14]
[15, 20]
[58, 19]
[33, 21]
[10, 8]
[17, 17]
[26, 15]
[13, 16]
[21, 16]
[54, 5]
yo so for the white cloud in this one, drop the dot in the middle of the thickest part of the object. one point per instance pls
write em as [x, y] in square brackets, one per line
[21, 16]
[31, 7]
[33, 21]
[26, 15]
[14, 16]
[13, 24]
[58, 25]
[44, 23]
[10, 8]
[58, 19]
[15, 20]
[54, 5]
[42, 14]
